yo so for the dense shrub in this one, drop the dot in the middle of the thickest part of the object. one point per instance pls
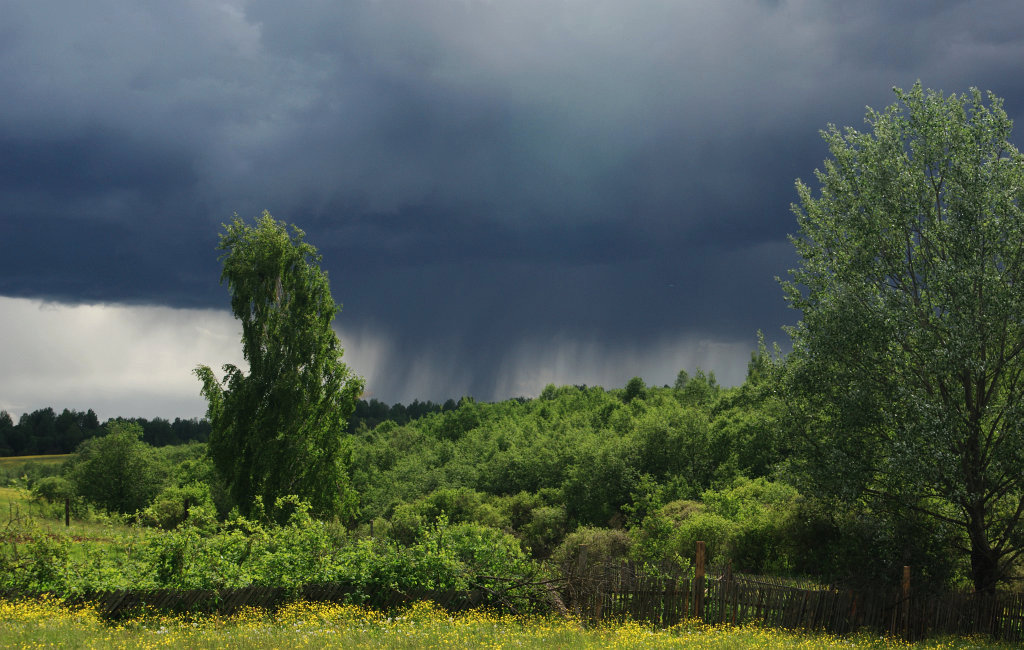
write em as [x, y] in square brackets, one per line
[175, 504]
[117, 471]
[594, 545]
[545, 529]
[53, 489]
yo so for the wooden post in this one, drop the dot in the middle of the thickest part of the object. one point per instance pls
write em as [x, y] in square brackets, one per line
[67, 512]
[668, 617]
[906, 603]
[583, 585]
[698, 583]
[731, 592]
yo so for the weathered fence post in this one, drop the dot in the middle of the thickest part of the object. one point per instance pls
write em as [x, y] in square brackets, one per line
[581, 565]
[67, 512]
[698, 583]
[732, 592]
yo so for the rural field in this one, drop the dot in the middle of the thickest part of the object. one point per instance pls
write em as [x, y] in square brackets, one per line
[21, 461]
[42, 623]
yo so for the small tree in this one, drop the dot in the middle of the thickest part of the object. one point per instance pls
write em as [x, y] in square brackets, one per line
[910, 354]
[278, 430]
[117, 471]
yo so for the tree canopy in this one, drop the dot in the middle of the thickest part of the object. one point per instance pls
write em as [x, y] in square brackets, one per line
[908, 357]
[278, 430]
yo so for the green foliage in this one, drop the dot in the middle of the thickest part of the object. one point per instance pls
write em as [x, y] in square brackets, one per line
[30, 558]
[303, 550]
[671, 471]
[117, 471]
[905, 372]
[635, 389]
[279, 429]
[406, 524]
[701, 389]
[176, 504]
[752, 524]
[17, 472]
[546, 527]
[53, 489]
[763, 512]
[593, 545]
[716, 531]
[574, 456]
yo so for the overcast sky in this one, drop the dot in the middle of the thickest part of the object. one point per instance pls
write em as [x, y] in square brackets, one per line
[506, 193]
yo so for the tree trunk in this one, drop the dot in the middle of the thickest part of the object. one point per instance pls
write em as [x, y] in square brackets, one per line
[984, 561]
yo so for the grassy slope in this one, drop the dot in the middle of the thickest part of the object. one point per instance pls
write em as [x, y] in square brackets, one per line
[15, 461]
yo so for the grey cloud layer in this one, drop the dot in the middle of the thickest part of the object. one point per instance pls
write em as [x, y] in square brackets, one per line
[478, 175]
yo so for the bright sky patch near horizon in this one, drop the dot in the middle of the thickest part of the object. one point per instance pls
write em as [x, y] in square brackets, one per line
[137, 361]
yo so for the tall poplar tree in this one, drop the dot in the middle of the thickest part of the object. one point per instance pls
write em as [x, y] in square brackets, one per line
[910, 351]
[278, 430]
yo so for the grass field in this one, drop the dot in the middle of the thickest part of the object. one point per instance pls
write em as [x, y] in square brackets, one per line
[16, 502]
[44, 623]
[11, 496]
[15, 461]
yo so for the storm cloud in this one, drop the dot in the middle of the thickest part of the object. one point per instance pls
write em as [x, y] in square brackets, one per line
[504, 193]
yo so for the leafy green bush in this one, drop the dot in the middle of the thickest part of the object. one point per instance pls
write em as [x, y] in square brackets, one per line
[762, 511]
[53, 489]
[406, 524]
[546, 528]
[117, 471]
[174, 505]
[749, 524]
[594, 545]
[31, 559]
[717, 533]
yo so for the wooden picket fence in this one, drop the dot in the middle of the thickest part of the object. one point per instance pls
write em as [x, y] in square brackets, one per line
[597, 592]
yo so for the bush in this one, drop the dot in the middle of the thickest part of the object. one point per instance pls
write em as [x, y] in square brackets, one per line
[31, 559]
[118, 471]
[603, 546]
[762, 511]
[717, 533]
[53, 489]
[546, 528]
[174, 505]
[406, 524]
[486, 552]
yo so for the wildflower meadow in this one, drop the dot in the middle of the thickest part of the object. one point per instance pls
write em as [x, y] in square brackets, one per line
[44, 622]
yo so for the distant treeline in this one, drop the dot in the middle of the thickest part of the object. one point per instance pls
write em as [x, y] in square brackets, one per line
[44, 431]
[369, 414]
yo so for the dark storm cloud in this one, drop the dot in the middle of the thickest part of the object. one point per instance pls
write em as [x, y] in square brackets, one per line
[478, 175]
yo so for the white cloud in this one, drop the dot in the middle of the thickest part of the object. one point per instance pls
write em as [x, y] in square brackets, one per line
[118, 360]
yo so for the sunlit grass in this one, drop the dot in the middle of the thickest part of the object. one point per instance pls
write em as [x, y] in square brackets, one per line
[45, 623]
[46, 459]
[97, 534]
[12, 497]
